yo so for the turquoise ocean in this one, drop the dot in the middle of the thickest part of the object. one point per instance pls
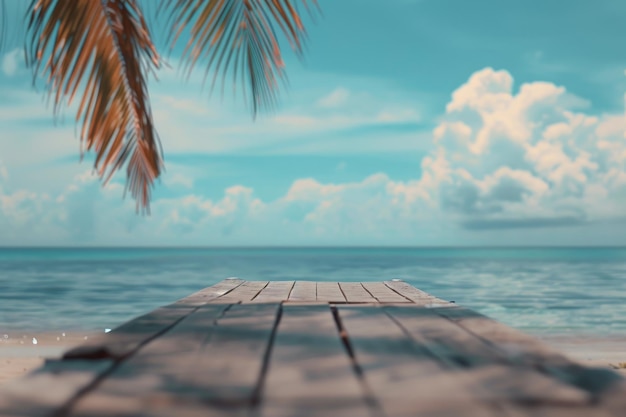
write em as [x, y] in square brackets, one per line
[538, 290]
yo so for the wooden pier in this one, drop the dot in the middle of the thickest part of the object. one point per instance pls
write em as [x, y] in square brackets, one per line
[284, 348]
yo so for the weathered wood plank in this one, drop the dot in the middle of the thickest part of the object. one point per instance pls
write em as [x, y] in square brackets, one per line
[210, 293]
[556, 410]
[143, 380]
[310, 372]
[496, 378]
[605, 387]
[125, 339]
[243, 293]
[403, 376]
[204, 356]
[47, 390]
[275, 291]
[355, 293]
[418, 296]
[57, 382]
[515, 345]
[303, 291]
[330, 291]
[383, 293]
[210, 363]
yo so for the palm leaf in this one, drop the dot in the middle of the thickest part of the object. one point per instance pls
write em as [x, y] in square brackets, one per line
[3, 24]
[238, 36]
[103, 46]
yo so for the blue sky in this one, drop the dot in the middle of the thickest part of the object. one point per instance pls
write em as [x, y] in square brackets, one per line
[409, 122]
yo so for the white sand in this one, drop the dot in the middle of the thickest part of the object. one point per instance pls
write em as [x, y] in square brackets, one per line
[23, 352]
[596, 351]
[19, 355]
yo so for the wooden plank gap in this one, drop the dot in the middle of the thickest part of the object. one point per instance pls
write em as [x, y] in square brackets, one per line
[232, 289]
[210, 293]
[257, 393]
[330, 292]
[291, 289]
[495, 378]
[406, 379]
[416, 295]
[245, 292]
[370, 398]
[123, 342]
[259, 292]
[342, 293]
[208, 365]
[369, 292]
[310, 372]
[421, 341]
[303, 291]
[384, 294]
[399, 293]
[96, 382]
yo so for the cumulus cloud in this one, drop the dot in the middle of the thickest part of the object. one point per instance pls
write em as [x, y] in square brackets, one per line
[526, 158]
[309, 211]
[503, 158]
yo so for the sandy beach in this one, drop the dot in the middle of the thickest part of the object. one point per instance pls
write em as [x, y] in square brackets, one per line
[595, 351]
[21, 353]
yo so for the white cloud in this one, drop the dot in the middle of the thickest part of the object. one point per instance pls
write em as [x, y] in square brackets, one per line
[188, 106]
[336, 98]
[11, 62]
[286, 131]
[177, 180]
[526, 159]
[189, 122]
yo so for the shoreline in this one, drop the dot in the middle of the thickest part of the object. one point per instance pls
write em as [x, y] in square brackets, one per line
[23, 352]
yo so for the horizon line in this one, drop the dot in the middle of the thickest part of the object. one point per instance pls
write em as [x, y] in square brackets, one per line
[314, 247]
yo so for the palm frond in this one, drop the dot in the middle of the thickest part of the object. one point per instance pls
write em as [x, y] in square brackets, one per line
[3, 25]
[238, 36]
[103, 46]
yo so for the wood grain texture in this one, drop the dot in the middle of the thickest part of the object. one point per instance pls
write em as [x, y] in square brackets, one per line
[403, 376]
[53, 386]
[243, 293]
[257, 349]
[330, 291]
[50, 388]
[210, 362]
[304, 291]
[418, 296]
[497, 379]
[125, 339]
[210, 293]
[355, 293]
[275, 291]
[383, 293]
[310, 372]
[606, 388]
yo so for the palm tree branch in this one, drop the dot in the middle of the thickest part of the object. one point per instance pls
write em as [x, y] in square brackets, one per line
[238, 37]
[104, 47]
[3, 25]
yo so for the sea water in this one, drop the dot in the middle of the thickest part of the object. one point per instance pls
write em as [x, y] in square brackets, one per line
[538, 290]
